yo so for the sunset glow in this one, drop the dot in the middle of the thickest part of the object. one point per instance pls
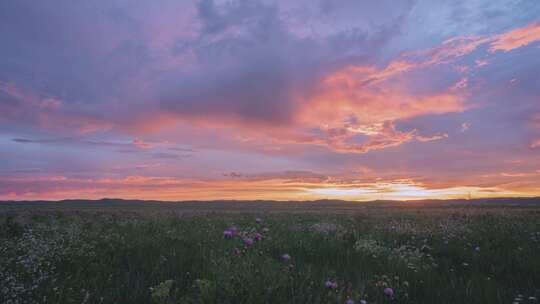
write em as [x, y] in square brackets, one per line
[281, 100]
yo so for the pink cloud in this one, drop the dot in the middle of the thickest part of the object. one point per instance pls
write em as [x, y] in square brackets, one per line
[464, 127]
[517, 38]
[431, 138]
[139, 143]
[377, 98]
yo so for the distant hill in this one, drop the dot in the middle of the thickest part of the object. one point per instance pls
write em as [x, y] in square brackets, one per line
[219, 204]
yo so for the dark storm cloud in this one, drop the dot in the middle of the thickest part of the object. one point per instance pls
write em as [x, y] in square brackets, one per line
[253, 68]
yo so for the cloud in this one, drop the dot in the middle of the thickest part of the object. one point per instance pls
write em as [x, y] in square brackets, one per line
[136, 143]
[24, 107]
[464, 127]
[517, 38]
[290, 95]
[387, 137]
[67, 140]
[431, 138]
[233, 174]
[169, 155]
[254, 69]
[346, 94]
[363, 94]
[278, 188]
[141, 144]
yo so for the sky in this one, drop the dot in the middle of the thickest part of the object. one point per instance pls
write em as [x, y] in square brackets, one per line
[269, 99]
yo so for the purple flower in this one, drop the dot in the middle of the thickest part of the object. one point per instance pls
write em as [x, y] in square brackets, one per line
[258, 237]
[349, 301]
[258, 220]
[389, 292]
[247, 242]
[286, 257]
[233, 229]
[330, 284]
[228, 234]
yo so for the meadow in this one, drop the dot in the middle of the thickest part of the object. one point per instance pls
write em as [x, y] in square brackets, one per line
[263, 252]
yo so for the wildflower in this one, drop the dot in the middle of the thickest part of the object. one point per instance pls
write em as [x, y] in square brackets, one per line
[286, 257]
[331, 284]
[258, 237]
[233, 229]
[477, 248]
[389, 292]
[247, 242]
[349, 301]
[258, 220]
[228, 234]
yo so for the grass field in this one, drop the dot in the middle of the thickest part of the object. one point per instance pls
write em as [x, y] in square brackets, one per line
[262, 252]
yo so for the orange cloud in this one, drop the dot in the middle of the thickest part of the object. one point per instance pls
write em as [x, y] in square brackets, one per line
[384, 136]
[345, 94]
[354, 110]
[516, 38]
[286, 186]
[352, 101]
[361, 99]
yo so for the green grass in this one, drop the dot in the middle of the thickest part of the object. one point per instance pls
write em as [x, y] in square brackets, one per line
[423, 255]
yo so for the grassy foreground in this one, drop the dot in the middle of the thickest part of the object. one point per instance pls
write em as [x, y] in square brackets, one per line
[376, 255]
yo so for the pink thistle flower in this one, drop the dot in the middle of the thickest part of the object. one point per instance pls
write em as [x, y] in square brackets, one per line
[389, 292]
[233, 230]
[228, 234]
[331, 284]
[258, 237]
[248, 242]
